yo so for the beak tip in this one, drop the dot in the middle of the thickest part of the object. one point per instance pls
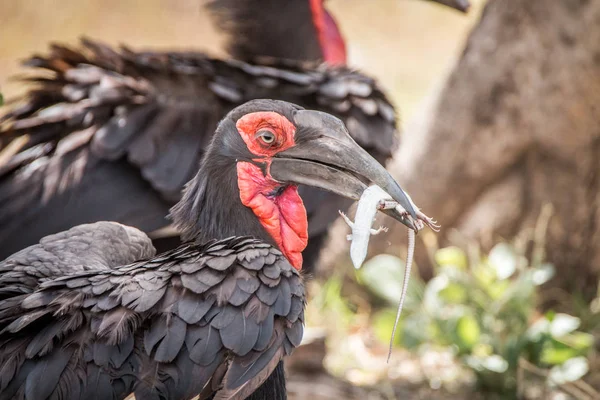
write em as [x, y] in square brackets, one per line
[410, 222]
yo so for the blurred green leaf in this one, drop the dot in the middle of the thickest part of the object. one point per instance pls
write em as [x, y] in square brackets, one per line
[468, 331]
[417, 329]
[383, 323]
[451, 257]
[572, 370]
[496, 289]
[482, 350]
[453, 293]
[485, 275]
[503, 260]
[330, 298]
[484, 312]
[383, 275]
[1, 99]
[554, 353]
[578, 340]
[562, 324]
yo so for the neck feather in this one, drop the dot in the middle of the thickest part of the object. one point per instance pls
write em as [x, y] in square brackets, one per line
[239, 200]
[271, 28]
[211, 208]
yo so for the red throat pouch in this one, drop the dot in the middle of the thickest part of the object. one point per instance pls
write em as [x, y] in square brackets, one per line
[282, 215]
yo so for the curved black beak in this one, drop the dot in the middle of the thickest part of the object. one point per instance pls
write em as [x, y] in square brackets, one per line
[460, 5]
[326, 157]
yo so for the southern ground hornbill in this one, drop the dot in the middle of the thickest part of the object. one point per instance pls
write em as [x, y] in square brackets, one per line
[79, 319]
[101, 122]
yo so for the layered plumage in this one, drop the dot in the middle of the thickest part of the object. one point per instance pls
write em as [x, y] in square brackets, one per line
[207, 318]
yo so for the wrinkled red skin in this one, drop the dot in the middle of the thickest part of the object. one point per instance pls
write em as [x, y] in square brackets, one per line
[282, 214]
[250, 124]
[330, 38]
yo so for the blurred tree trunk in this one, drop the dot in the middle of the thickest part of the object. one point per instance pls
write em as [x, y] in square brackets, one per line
[516, 127]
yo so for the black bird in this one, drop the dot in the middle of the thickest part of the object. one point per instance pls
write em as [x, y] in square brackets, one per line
[99, 122]
[214, 317]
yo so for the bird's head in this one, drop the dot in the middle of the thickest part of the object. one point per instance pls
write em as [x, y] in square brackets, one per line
[261, 151]
[301, 30]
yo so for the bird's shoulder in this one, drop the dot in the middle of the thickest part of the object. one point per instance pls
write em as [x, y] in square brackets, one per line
[228, 309]
[96, 246]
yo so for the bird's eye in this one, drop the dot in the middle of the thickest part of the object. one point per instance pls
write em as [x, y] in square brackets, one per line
[267, 137]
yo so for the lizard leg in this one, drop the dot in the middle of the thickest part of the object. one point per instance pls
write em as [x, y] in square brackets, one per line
[348, 221]
[378, 231]
[386, 204]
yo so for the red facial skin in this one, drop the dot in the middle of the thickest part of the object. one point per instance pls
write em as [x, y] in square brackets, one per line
[330, 38]
[281, 214]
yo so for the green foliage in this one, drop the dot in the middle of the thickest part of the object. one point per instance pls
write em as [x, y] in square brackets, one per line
[383, 275]
[1, 99]
[485, 309]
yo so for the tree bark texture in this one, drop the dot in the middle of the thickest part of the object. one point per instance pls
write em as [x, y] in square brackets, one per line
[517, 126]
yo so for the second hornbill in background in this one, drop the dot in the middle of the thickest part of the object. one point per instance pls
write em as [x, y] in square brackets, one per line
[213, 317]
[114, 134]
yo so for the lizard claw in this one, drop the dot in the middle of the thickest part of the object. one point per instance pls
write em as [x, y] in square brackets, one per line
[378, 231]
[348, 221]
[430, 222]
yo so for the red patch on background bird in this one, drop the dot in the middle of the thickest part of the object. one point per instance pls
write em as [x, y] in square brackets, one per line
[331, 41]
[282, 214]
[252, 125]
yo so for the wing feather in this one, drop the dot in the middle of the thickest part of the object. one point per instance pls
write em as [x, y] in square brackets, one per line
[185, 344]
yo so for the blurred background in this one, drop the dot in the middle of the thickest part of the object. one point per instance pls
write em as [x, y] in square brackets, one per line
[500, 143]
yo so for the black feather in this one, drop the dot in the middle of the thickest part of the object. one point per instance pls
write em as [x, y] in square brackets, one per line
[239, 297]
[296, 309]
[44, 377]
[153, 335]
[190, 282]
[25, 320]
[249, 285]
[171, 344]
[284, 300]
[267, 295]
[210, 276]
[203, 344]
[225, 317]
[266, 332]
[96, 384]
[271, 271]
[243, 369]
[191, 308]
[241, 335]
[42, 342]
[221, 263]
[147, 299]
[294, 333]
